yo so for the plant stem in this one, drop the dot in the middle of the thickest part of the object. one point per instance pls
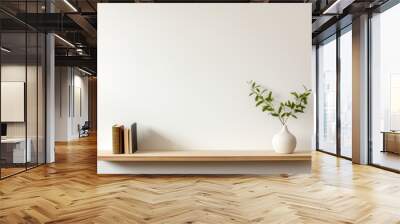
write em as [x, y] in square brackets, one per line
[282, 121]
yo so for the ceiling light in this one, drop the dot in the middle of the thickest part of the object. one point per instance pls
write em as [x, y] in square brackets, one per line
[5, 50]
[326, 11]
[84, 71]
[65, 41]
[71, 6]
[337, 7]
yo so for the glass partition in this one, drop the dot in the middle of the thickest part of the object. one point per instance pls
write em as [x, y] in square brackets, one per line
[346, 93]
[327, 96]
[334, 100]
[22, 89]
[385, 89]
[14, 155]
[32, 95]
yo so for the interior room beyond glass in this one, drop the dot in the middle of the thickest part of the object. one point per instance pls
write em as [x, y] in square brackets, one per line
[385, 89]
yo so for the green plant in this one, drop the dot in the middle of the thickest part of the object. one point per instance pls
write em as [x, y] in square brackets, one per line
[286, 109]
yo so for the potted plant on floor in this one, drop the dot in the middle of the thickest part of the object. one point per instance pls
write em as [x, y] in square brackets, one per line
[284, 141]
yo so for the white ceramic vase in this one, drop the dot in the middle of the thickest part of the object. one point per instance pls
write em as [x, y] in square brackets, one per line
[284, 142]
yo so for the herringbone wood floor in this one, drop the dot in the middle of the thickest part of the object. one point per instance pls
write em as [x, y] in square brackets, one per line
[70, 191]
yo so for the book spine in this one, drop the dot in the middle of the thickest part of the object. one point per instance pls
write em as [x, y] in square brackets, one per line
[130, 141]
[115, 139]
[134, 144]
[121, 140]
[126, 141]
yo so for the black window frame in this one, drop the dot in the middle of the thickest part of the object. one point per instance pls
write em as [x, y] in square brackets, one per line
[334, 37]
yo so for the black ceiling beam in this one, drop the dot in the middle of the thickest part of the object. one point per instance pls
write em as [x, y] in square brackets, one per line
[8, 16]
[91, 5]
[8, 24]
[84, 24]
[81, 61]
[87, 51]
[323, 23]
[49, 22]
[333, 28]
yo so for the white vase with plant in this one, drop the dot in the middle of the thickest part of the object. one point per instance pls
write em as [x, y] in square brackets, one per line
[284, 141]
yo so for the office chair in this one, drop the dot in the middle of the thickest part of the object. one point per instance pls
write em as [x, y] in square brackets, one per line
[84, 130]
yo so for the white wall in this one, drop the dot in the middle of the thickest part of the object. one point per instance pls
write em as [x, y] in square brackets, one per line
[61, 103]
[180, 71]
[68, 81]
[80, 114]
[19, 73]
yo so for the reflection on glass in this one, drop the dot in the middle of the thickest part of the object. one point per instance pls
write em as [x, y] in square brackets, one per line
[327, 97]
[394, 102]
[346, 94]
[31, 101]
[22, 90]
[14, 153]
[385, 81]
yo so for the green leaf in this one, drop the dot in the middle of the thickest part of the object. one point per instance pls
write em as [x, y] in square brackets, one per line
[294, 94]
[269, 96]
[264, 98]
[259, 103]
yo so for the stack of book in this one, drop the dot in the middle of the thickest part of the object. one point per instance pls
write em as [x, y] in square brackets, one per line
[124, 140]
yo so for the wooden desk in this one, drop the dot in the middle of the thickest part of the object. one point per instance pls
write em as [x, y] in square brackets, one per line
[13, 150]
[391, 141]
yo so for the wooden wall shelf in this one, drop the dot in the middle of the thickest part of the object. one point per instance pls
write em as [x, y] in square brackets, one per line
[205, 156]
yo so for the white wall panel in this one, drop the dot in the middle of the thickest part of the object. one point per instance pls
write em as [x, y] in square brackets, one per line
[12, 101]
[180, 72]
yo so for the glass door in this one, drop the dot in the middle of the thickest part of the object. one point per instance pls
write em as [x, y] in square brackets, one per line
[326, 60]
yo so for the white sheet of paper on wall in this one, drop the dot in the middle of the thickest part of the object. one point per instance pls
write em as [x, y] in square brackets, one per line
[12, 101]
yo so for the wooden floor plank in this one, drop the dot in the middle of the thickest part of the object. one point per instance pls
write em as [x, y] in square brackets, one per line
[70, 191]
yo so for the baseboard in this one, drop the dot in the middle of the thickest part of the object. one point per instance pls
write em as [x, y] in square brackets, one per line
[257, 168]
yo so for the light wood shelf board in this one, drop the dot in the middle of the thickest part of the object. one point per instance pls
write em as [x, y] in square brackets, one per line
[205, 156]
